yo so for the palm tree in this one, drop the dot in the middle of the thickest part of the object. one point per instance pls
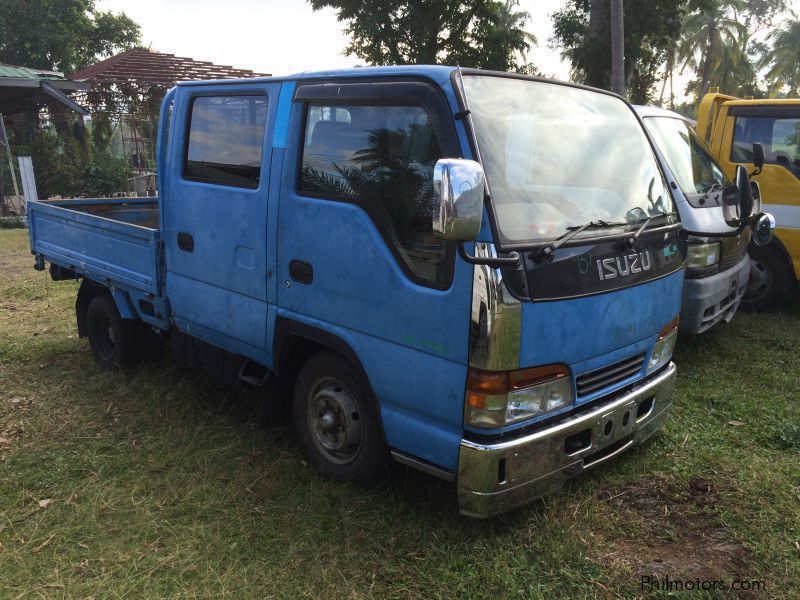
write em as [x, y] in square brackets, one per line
[508, 18]
[784, 60]
[669, 70]
[707, 33]
[734, 72]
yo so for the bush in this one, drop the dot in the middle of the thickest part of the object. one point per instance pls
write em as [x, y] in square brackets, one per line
[62, 168]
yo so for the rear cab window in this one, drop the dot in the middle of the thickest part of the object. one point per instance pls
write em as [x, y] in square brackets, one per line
[225, 139]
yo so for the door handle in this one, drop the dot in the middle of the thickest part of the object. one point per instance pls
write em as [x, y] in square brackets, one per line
[301, 271]
[185, 242]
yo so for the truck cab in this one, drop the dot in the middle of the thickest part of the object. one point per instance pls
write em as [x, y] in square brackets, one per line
[717, 266]
[730, 126]
[477, 274]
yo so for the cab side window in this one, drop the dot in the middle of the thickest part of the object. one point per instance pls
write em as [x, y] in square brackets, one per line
[381, 158]
[225, 140]
[780, 137]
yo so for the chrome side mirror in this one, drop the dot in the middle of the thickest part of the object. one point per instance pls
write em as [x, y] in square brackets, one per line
[458, 190]
[737, 199]
[763, 230]
[755, 191]
[731, 205]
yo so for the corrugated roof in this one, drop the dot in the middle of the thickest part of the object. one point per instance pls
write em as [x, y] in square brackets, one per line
[20, 72]
[19, 85]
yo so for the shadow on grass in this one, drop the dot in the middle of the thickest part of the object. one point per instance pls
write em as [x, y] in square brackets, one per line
[262, 419]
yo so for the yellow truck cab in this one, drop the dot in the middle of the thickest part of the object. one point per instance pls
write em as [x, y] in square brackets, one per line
[730, 126]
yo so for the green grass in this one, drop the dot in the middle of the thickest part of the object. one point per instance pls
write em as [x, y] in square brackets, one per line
[155, 483]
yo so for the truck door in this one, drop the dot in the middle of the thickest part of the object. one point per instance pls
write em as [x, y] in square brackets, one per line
[356, 197]
[215, 213]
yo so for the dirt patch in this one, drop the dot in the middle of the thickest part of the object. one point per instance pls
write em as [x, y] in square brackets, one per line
[676, 533]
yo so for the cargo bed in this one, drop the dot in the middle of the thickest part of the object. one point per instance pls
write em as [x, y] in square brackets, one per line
[75, 234]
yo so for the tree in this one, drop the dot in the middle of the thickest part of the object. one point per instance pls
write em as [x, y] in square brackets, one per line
[713, 37]
[475, 33]
[617, 47]
[783, 61]
[582, 29]
[63, 35]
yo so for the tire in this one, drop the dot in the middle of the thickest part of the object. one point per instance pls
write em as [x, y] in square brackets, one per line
[336, 421]
[771, 279]
[115, 342]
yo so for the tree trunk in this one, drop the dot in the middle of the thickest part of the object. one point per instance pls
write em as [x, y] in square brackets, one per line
[617, 48]
[671, 92]
[708, 58]
[596, 20]
[669, 67]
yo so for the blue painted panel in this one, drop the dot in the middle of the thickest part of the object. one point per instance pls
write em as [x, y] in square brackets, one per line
[235, 315]
[572, 331]
[283, 114]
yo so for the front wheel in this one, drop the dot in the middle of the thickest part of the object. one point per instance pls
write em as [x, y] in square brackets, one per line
[770, 280]
[336, 421]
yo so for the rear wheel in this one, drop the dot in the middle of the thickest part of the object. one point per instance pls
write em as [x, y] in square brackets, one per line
[115, 342]
[336, 421]
[770, 280]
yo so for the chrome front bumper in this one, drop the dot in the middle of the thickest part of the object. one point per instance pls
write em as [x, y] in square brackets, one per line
[494, 478]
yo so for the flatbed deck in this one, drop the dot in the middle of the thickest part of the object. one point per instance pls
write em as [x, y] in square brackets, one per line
[75, 233]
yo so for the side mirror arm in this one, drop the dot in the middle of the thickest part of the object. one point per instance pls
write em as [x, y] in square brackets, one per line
[512, 260]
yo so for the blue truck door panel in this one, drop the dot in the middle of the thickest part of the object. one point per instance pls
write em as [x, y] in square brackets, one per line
[215, 225]
[411, 338]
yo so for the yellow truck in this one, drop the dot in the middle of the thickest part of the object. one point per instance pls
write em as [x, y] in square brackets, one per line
[730, 126]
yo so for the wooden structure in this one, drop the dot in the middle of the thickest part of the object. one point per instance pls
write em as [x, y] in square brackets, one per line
[146, 67]
[125, 92]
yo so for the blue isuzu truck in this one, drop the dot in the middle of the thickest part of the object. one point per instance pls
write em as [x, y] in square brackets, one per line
[477, 274]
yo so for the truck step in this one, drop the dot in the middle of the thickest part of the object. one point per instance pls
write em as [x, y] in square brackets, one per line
[254, 374]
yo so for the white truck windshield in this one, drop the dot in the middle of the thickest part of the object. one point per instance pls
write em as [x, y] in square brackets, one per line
[557, 157]
[690, 163]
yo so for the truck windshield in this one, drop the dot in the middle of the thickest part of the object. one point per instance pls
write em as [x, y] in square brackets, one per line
[557, 157]
[690, 163]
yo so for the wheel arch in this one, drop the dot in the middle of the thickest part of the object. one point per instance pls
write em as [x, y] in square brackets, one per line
[87, 291]
[787, 257]
[296, 342]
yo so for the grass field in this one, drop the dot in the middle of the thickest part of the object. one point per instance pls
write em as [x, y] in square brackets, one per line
[155, 483]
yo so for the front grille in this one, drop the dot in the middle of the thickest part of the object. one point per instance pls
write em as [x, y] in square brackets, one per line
[732, 252]
[609, 375]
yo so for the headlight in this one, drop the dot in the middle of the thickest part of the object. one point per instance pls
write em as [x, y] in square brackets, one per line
[663, 348]
[700, 256]
[538, 399]
[497, 398]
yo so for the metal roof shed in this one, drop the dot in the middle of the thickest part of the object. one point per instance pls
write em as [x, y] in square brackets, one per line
[21, 86]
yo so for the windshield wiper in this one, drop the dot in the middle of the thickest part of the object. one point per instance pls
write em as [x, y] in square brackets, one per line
[630, 240]
[545, 252]
[715, 187]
